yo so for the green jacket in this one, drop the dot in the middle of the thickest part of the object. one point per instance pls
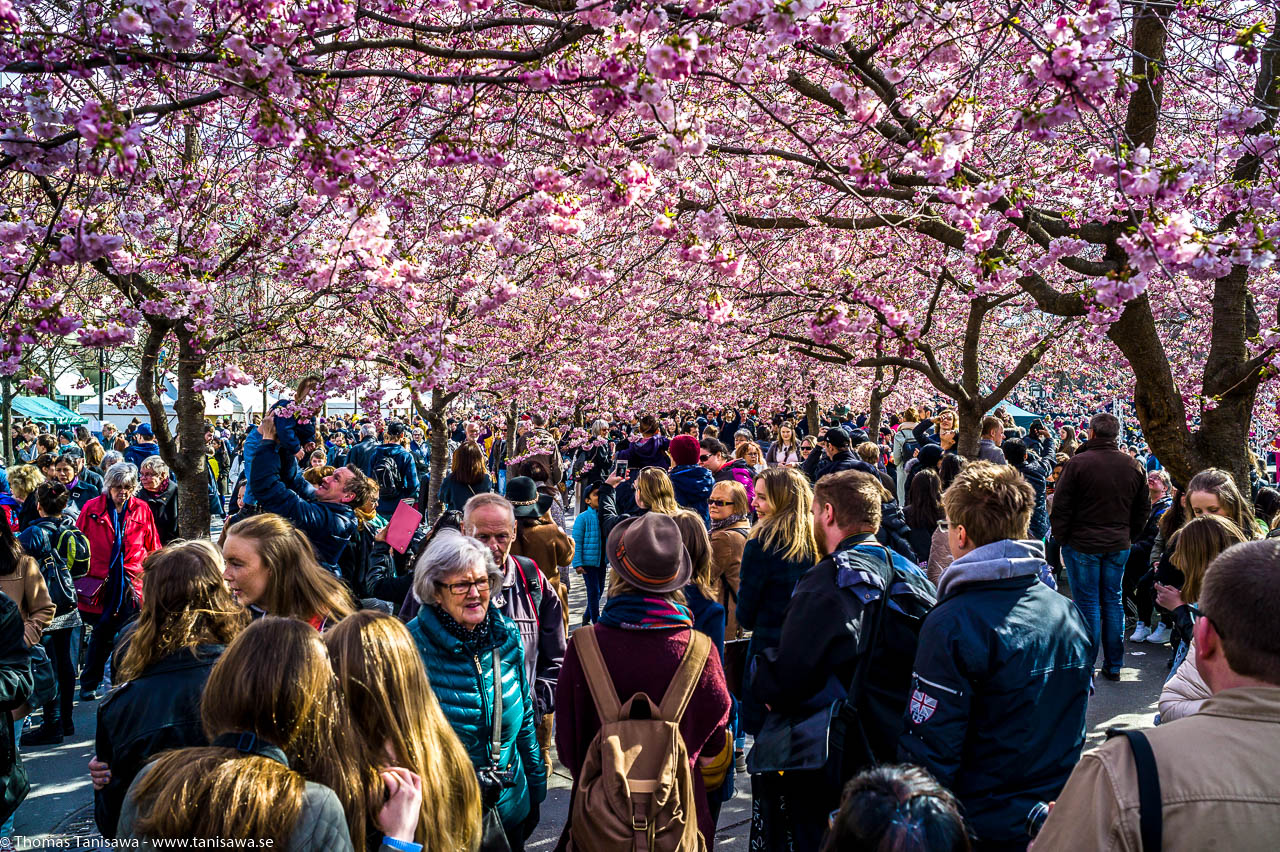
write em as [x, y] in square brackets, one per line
[464, 686]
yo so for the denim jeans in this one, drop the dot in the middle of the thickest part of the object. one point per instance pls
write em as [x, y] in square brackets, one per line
[1096, 583]
[594, 578]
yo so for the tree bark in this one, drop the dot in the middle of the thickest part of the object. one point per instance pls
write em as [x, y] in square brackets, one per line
[970, 413]
[811, 416]
[7, 404]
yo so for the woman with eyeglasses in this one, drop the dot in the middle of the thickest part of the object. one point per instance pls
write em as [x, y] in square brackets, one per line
[474, 658]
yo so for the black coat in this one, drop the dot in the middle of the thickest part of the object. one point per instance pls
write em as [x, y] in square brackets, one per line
[454, 495]
[15, 688]
[1100, 502]
[894, 532]
[998, 699]
[817, 465]
[1033, 472]
[164, 509]
[157, 711]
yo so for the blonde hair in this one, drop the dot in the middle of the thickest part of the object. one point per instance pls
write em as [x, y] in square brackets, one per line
[297, 587]
[392, 705]
[738, 494]
[1196, 545]
[1220, 484]
[654, 488]
[789, 528]
[24, 479]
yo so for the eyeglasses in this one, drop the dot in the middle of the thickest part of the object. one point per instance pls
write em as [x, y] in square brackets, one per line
[1199, 613]
[463, 588]
[719, 502]
[944, 525]
[703, 457]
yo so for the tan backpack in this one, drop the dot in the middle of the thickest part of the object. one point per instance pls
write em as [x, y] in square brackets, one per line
[635, 791]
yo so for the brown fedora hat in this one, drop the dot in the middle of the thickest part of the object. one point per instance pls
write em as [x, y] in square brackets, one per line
[649, 553]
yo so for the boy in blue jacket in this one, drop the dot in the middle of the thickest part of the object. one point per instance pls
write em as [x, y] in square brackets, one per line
[290, 436]
[588, 551]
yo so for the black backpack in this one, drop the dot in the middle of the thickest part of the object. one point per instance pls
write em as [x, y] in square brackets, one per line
[56, 573]
[387, 474]
[882, 682]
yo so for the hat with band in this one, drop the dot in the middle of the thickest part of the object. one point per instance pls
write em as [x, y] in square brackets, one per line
[648, 552]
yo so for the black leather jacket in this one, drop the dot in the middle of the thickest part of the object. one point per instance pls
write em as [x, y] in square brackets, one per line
[157, 711]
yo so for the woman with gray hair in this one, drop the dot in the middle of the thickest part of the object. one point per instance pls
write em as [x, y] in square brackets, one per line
[474, 660]
[112, 457]
[594, 460]
[121, 532]
[160, 493]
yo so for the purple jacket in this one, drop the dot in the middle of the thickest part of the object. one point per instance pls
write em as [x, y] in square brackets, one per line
[740, 471]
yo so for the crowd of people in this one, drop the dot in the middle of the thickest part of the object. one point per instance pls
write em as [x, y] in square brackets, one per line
[892, 645]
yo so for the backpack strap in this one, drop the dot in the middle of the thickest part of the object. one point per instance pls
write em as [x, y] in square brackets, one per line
[1150, 802]
[608, 708]
[685, 680]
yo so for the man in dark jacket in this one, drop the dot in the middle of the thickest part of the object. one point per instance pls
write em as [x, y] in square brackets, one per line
[395, 471]
[1035, 470]
[325, 513]
[145, 446]
[999, 652]
[837, 457]
[825, 634]
[361, 454]
[1100, 505]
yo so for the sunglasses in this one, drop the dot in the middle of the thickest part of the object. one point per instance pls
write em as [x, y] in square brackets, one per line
[1199, 613]
[719, 502]
[703, 457]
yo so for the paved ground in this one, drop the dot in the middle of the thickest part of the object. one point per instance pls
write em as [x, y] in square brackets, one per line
[61, 801]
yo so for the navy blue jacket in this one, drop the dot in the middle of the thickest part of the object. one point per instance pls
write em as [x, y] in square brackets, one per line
[136, 454]
[692, 484]
[1000, 688]
[402, 485]
[817, 465]
[1034, 473]
[361, 455]
[329, 526]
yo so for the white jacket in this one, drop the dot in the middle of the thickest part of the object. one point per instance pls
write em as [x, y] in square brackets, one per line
[1184, 692]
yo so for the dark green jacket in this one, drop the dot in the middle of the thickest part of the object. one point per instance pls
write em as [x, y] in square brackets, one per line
[464, 686]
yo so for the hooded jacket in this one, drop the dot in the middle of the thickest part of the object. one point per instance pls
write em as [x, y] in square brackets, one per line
[464, 685]
[693, 484]
[136, 454]
[999, 688]
[740, 472]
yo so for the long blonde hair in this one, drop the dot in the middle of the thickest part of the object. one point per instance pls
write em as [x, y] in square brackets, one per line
[1196, 545]
[185, 604]
[275, 682]
[789, 528]
[393, 706]
[654, 488]
[297, 587]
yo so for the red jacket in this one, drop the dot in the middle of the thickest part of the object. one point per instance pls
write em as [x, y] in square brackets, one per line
[140, 538]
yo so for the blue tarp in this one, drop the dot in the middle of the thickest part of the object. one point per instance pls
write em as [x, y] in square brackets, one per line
[47, 411]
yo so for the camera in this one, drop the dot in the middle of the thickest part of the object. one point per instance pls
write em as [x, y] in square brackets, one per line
[492, 782]
[1035, 819]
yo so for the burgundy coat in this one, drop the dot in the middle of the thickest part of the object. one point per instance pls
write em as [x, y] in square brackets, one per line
[641, 661]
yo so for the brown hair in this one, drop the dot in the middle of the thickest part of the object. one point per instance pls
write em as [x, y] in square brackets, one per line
[297, 587]
[1219, 483]
[185, 604]
[696, 541]
[393, 706]
[1196, 545]
[361, 488]
[315, 474]
[737, 494]
[991, 501]
[746, 447]
[468, 463]
[275, 682]
[93, 453]
[989, 423]
[854, 496]
[1241, 597]
[789, 529]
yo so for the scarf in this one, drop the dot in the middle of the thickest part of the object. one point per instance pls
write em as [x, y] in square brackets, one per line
[117, 579]
[728, 522]
[645, 612]
[474, 641]
[362, 517]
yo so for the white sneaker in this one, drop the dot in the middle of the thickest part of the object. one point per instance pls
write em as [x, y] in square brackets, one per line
[1160, 635]
[1140, 633]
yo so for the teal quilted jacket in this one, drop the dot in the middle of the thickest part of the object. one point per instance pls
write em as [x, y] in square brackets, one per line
[464, 687]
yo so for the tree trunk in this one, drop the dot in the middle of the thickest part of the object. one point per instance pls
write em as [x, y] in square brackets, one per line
[7, 404]
[185, 452]
[811, 416]
[969, 429]
[511, 435]
[877, 405]
[434, 415]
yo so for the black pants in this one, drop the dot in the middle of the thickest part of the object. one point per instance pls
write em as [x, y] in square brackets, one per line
[63, 646]
[101, 641]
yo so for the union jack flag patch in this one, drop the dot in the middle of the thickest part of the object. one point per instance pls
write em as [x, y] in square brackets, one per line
[922, 707]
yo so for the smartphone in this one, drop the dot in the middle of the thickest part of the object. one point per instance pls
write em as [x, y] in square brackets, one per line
[620, 469]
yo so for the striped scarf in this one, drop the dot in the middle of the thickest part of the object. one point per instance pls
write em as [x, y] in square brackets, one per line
[645, 612]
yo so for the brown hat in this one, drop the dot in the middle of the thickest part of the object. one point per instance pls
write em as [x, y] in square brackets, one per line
[649, 553]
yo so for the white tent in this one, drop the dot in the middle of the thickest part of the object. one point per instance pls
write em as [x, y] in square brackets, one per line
[119, 415]
[68, 385]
